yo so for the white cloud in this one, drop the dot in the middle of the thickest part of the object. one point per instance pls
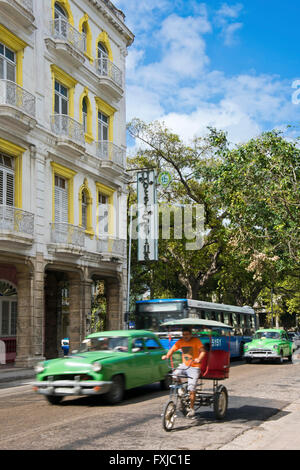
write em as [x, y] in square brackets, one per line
[170, 76]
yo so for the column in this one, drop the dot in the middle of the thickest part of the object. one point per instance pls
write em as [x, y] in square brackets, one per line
[24, 317]
[75, 310]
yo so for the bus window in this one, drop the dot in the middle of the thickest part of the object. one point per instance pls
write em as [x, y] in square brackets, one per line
[221, 317]
[202, 314]
[213, 316]
[207, 316]
[227, 318]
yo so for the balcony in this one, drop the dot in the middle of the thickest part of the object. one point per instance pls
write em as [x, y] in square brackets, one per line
[17, 106]
[110, 77]
[70, 134]
[111, 156]
[16, 228]
[66, 41]
[111, 248]
[21, 11]
[66, 239]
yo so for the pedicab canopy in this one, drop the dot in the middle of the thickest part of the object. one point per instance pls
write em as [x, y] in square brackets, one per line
[197, 323]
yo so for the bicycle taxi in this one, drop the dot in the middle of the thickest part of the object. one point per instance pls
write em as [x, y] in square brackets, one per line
[215, 367]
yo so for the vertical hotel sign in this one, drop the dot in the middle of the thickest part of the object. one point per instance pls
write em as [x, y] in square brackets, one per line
[147, 226]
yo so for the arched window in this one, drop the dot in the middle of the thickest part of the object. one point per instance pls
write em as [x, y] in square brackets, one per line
[85, 114]
[84, 207]
[102, 59]
[60, 20]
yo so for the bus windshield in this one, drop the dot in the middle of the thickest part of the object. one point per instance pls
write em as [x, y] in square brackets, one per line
[150, 315]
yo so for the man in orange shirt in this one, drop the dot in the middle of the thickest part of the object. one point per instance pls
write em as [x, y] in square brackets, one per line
[193, 352]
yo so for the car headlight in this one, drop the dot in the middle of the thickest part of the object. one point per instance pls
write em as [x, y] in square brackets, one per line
[246, 347]
[39, 368]
[97, 366]
[275, 346]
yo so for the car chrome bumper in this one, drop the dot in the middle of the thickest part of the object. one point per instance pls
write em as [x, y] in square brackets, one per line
[261, 354]
[71, 387]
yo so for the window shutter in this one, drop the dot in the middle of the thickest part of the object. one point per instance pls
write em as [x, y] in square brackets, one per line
[9, 189]
[61, 204]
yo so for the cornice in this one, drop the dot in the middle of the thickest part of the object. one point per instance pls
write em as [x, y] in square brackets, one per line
[115, 17]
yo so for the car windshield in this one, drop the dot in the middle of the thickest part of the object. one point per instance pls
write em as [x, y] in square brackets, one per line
[267, 334]
[104, 343]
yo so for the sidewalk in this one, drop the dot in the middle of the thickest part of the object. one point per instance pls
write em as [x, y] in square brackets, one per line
[281, 433]
[10, 373]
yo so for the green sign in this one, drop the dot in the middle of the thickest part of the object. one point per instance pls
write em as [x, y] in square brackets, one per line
[164, 179]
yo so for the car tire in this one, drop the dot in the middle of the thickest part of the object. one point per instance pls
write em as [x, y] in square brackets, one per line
[280, 359]
[54, 399]
[166, 382]
[220, 402]
[116, 392]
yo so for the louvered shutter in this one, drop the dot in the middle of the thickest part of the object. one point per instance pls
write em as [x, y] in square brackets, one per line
[61, 204]
[10, 189]
[6, 188]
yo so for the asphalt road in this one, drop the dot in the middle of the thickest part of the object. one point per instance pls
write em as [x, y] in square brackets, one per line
[257, 392]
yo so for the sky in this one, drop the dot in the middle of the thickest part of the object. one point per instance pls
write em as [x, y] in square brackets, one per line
[230, 65]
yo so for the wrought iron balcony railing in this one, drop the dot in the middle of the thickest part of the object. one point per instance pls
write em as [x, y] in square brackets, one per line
[108, 151]
[67, 234]
[62, 30]
[15, 220]
[12, 94]
[65, 126]
[107, 68]
[111, 245]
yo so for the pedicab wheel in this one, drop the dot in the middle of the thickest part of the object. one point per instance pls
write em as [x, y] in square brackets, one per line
[168, 419]
[220, 402]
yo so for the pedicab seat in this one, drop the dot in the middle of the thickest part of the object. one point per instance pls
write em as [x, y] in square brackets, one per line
[216, 365]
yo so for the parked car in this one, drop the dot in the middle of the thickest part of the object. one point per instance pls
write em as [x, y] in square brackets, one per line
[107, 363]
[295, 338]
[269, 344]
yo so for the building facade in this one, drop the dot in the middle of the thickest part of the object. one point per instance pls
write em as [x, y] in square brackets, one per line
[63, 184]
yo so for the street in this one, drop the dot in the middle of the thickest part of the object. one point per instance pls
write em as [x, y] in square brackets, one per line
[257, 392]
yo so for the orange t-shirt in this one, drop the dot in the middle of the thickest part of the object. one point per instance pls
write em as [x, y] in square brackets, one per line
[190, 350]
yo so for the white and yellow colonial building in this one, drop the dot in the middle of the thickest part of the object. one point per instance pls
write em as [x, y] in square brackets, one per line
[63, 184]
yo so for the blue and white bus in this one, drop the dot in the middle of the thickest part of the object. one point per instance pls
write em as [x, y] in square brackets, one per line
[150, 314]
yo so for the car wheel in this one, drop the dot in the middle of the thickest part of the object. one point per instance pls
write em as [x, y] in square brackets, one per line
[166, 382]
[220, 402]
[280, 359]
[54, 399]
[116, 392]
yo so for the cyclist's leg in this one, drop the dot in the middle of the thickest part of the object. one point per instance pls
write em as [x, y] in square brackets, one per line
[194, 373]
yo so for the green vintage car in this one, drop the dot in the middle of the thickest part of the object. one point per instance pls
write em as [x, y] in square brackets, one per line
[272, 343]
[107, 363]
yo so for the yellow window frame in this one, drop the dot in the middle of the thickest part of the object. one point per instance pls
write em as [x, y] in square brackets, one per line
[85, 187]
[103, 38]
[16, 152]
[69, 174]
[89, 134]
[85, 21]
[66, 6]
[109, 110]
[17, 45]
[69, 82]
[107, 191]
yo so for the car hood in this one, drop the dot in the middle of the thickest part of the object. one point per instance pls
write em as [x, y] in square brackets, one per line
[79, 362]
[261, 343]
